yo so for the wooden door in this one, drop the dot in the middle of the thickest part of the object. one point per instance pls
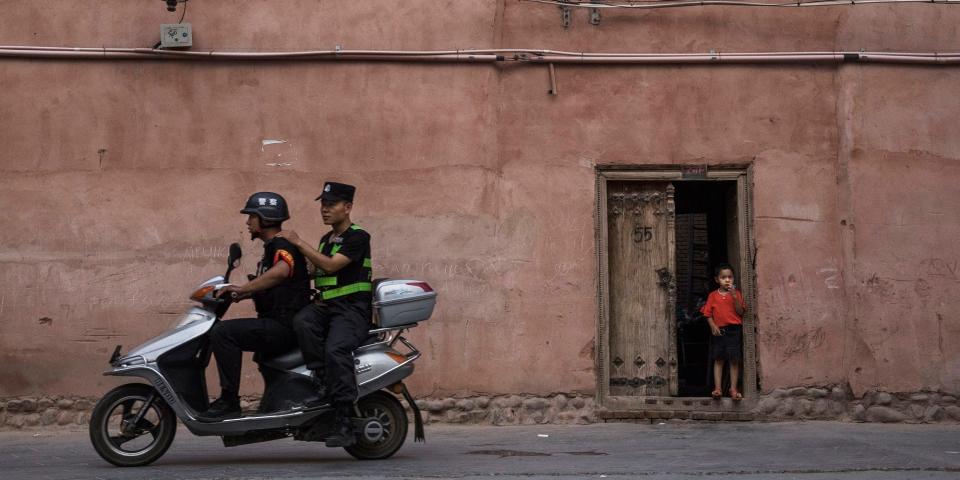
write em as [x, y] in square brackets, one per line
[642, 325]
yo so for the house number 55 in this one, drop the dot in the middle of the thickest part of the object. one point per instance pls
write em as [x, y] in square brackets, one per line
[642, 234]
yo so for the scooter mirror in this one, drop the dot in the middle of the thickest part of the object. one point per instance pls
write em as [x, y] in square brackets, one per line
[233, 260]
[235, 253]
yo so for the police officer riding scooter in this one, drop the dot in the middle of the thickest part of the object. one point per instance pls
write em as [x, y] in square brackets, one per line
[135, 423]
[280, 289]
[337, 321]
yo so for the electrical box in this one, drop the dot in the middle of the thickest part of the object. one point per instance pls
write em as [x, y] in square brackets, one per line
[174, 35]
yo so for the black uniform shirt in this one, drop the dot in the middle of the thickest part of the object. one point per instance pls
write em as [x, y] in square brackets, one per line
[354, 243]
[283, 301]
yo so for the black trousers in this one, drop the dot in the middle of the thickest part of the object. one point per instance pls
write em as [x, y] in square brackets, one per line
[328, 335]
[230, 338]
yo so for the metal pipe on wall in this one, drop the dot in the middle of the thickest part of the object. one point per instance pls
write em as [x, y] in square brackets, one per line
[531, 56]
[656, 4]
[157, 54]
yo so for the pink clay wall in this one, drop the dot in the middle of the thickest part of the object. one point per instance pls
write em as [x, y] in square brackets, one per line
[120, 181]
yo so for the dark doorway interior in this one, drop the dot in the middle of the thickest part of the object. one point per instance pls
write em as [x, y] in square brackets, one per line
[706, 235]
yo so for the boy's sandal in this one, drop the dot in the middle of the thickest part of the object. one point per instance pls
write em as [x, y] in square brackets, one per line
[716, 393]
[735, 395]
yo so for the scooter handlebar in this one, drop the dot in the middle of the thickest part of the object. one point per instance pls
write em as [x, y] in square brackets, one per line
[232, 298]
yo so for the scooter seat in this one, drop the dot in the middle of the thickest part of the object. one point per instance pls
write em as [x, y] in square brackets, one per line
[284, 361]
[294, 358]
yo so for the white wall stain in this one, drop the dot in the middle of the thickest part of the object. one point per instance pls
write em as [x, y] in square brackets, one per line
[267, 141]
[292, 151]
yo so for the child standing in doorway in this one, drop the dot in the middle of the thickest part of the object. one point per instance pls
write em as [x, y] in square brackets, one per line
[724, 311]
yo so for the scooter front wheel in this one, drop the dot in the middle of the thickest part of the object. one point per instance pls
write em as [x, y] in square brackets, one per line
[384, 428]
[132, 426]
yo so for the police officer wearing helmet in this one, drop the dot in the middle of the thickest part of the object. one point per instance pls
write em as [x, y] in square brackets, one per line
[338, 321]
[280, 289]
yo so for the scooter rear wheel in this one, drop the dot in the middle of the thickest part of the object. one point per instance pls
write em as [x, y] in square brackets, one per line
[123, 440]
[384, 430]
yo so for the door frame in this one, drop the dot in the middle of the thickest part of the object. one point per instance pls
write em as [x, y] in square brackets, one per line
[743, 175]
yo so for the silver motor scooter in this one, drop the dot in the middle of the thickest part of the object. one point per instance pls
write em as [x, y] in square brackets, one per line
[134, 424]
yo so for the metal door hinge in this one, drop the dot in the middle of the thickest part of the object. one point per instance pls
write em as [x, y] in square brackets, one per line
[665, 279]
[652, 380]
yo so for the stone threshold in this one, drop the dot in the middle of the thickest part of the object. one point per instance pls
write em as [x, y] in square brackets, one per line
[613, 416]
[687, 404]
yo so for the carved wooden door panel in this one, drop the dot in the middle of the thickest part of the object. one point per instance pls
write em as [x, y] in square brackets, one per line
[642, 289]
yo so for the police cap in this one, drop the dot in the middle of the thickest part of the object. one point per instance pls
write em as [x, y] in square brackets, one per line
[335, 192]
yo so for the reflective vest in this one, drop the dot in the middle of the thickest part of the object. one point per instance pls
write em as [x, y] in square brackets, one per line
[348, 280]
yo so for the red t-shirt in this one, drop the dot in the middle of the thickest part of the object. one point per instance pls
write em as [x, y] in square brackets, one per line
[721, 308]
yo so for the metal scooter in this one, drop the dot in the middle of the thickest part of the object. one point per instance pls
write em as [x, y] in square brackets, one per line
[134, 424]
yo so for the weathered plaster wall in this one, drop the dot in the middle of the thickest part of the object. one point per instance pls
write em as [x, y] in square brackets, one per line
[905, 280]
[122, 180]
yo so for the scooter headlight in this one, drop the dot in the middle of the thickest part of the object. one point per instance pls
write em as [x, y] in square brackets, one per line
[130, 361]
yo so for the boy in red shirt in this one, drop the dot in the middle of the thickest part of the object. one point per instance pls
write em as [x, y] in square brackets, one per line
[724, 311]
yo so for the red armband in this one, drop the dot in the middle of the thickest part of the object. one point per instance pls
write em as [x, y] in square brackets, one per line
[285, 257]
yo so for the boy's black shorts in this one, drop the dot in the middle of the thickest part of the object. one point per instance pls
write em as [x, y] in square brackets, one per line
[729, 345]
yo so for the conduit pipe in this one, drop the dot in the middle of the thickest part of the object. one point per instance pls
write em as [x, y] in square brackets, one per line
[651, 4]
[521, 56]
[755, 58]
[159, 54]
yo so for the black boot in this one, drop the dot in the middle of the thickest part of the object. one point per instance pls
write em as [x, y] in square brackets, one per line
[321, 398]
[344, 434]
[221, 409]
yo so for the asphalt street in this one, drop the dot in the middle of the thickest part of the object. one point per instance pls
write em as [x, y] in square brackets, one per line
[811, 450]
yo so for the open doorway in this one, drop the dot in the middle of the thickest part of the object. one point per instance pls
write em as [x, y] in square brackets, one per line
[660, 235]
[706, 236]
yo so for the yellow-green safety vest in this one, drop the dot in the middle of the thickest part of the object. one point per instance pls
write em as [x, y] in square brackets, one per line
[327, 284]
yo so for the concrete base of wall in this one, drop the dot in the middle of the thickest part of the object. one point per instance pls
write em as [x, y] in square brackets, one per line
[837, 403]
[23, 412]
[814, 403]
[511, 410]
[782, 404]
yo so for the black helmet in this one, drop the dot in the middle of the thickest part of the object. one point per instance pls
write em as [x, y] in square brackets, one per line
[269, 206]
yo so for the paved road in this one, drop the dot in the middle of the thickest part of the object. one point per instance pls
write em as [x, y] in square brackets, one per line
[755, 451]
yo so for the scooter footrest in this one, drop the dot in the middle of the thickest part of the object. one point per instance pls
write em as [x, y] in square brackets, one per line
[253, 437]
